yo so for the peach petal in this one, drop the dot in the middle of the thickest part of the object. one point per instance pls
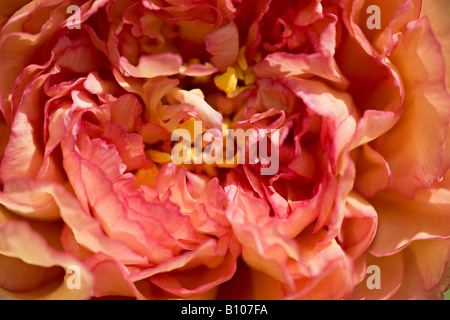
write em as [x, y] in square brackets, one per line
[336, 107]
[29, 200]
[15, 241]
[432, 258]
[436, 13]
[15, 41]
[382, 91]
[359, 226]
[391, 277]
[179, 12]
[153, 91]
[151, 66]
[86, 229]
[402, 220]
[129, 146]
[23, 154]
[373, 124]
[210, 253]
[204, 202]
[309, 14]
[295, 64]
[379, 42]
[372, 172]
[425, 117]
[412, 286]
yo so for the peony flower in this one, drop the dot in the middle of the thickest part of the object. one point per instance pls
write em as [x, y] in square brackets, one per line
[256, 149]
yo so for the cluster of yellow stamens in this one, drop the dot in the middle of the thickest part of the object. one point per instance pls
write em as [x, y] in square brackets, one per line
[228, 81]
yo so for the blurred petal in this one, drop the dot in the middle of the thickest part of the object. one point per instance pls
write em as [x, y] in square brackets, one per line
[26, 254]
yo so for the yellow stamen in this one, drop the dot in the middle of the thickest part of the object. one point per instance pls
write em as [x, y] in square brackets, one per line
[239, 72]
[227, 81]
[242, 60]
[158, 156]
[146, 176]
[189, 125]
[225, 127]
[249, 77]
[194, 61]
[210, 170]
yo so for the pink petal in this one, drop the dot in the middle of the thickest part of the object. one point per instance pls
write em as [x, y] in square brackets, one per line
[23, 154]
[197, 280]
[29, 200]
[223, 45]
[210, 118]
[335, 107]
[211, 254]
[151, 66]
[294, 64]
[320, 63]
[111, 212]
[441, 28]
[199, 70]
[111, 278]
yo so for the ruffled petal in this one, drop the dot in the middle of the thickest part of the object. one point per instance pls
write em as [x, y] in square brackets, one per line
[426, 114]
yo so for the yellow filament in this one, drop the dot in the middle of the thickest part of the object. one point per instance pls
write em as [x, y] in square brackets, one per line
[146, 176]
[227, 81]
[242, 60]
[189, 126]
